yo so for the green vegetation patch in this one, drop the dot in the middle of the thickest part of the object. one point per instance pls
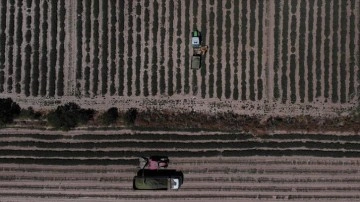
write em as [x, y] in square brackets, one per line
[8, 110]
[69, 116]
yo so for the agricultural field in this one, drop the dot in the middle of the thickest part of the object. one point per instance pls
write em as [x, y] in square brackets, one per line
[265, 57]
[99, 165]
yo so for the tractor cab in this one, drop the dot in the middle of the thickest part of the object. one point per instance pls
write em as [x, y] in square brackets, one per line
[196, 39]
[153, 162]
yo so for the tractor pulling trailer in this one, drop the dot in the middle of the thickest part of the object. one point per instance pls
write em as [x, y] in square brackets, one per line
[199, 50]
[154, 175]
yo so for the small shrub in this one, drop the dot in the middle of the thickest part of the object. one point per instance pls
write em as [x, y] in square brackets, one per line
[29, 113]
[130, 116]
[69, 116]
[110, 116]
[8, 110]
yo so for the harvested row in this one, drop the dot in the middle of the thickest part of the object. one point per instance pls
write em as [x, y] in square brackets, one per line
[87, 148]
[143, 136]
[198, 145]
[205, 178]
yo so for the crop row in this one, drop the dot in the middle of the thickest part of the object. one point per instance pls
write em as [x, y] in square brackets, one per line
[79, 35]
[105, 45]
[44, 49]
[243, 50]
[311, 56]
[116, 188]
[36, 52]
[219, 65]
[193, 179]
[121, 46]
[198, 178]
[211, 196]
[154, 61]
[14, 154]
[277, 38]
[204, 67]
[251, 144]
[260, 49]
[2, 43]
[19, 40]
[194, 71]
[178, 43]
[162, 47]
[28, 52]
[302, 43]
[211, 53]
[10, 80]
[112, 47]
[179, 137]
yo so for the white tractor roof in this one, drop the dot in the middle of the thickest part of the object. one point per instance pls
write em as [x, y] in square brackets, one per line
[195, 41]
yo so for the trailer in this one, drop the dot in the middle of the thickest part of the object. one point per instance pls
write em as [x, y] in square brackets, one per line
[155, 183]
[196, 61]
[147, 179]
